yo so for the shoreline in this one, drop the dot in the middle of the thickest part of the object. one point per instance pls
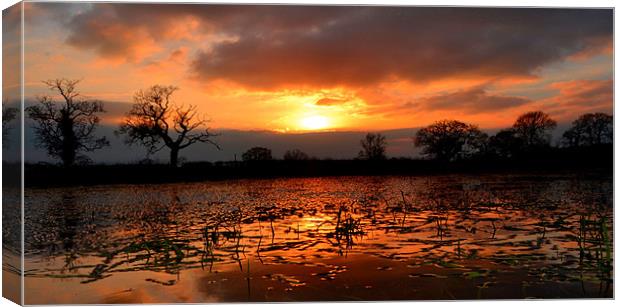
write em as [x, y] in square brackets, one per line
[42, 176]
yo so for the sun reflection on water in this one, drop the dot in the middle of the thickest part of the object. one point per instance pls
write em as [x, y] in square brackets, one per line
[319, 230]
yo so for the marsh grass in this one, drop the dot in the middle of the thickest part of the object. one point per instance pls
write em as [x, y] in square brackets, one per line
[595, 249]
[454, 229]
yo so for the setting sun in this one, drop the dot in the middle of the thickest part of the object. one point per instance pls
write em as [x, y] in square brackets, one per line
[292, 152]
[315, 122]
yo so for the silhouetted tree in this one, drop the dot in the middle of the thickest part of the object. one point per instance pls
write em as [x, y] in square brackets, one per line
[67, 128]
[373, 147]
[257, 154]
[156, 122]
[450, 140]
[534, 129]
[505, 144]
[295, 155]
[8, 115]
[590, 129]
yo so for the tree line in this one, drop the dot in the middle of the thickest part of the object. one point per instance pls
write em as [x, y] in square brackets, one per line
[66, 130]
[451, 140]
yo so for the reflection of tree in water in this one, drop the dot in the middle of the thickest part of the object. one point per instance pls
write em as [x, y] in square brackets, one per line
[65, 228]
[161, 244]
[450, 220]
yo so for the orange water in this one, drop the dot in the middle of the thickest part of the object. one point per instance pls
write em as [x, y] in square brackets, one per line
[340, 238]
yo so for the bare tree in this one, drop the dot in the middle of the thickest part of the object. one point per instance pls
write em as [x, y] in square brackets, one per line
[373, 147]
[449, 140]
[534, 129]
[156, 122]
[67, 128]
[590, 129]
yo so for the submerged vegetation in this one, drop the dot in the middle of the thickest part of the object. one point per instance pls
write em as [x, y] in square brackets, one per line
[536, 234]
[539, 226]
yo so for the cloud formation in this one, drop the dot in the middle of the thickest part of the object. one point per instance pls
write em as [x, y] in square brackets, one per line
[271, 47]
[360, 67]
[371, 45]
[114, 29]
[578, 97]
[589, 93]
[473, 100]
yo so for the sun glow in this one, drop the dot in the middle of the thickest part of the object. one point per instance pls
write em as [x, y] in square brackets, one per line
[315, 122]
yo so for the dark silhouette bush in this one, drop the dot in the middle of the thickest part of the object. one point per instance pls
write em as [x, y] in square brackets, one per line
[589, 130]
[450, 140]
[257, 154]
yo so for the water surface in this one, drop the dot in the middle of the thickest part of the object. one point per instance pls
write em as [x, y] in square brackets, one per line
[340, 238]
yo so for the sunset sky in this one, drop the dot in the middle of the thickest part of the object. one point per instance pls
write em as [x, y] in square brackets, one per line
[309, 68]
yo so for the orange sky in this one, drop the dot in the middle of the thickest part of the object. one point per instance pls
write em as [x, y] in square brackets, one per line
[329, 68]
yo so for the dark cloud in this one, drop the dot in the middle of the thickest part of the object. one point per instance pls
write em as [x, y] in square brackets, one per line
[274, 46]
[370, 45]
[473, 100]
[114, 30]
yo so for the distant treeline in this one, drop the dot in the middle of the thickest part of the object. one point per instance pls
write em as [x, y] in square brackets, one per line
[595, 159]
[66, 130]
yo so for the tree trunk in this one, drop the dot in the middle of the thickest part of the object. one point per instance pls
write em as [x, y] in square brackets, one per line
[174, 157]
[69, 142]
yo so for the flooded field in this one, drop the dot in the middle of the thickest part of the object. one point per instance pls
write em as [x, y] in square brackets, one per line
[341, 238]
